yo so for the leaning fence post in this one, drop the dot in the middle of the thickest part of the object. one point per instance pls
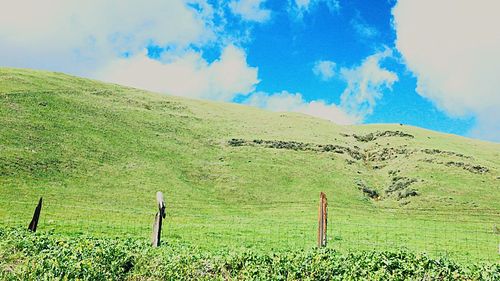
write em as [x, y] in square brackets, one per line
[322, 220]
[160, 215]
[36, 216]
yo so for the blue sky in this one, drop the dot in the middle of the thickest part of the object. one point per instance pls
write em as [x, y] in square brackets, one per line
[286, 48]
[432, 64]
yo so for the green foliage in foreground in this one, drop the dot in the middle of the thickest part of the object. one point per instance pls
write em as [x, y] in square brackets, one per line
[29, 256]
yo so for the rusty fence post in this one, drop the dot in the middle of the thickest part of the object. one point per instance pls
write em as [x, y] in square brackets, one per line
[160, 215]
[322, 220]
[36, 216]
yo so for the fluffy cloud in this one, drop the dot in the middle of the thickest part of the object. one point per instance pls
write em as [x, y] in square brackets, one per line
[188, 75]
[303, 4]
[106, 39]
[285, 101]
[363, 28]
[453, 48]
[77, 36]
[250, 10]
[300, 7]
[365, 84]
[324, 69]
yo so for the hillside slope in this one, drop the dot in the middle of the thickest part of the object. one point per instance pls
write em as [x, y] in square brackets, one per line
[98, 152]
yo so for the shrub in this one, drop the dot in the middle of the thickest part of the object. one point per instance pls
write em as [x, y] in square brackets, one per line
[42, 256]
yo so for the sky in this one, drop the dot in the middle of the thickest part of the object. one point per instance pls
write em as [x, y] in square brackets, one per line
[428, 63]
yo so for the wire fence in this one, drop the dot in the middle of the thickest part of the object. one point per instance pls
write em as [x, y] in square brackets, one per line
[462, 234]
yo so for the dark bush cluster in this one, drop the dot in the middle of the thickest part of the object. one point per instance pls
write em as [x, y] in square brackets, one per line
[300, 146]
[373, 136]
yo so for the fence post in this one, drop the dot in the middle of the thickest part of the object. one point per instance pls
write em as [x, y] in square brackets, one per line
[160, 215]
[322, 220]
[36, 216]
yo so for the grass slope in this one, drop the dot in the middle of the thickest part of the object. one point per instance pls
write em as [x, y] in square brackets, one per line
[234, 175]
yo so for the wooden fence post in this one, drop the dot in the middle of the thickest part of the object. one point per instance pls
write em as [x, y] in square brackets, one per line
[322, 220]
[36, 216]
[160, 215]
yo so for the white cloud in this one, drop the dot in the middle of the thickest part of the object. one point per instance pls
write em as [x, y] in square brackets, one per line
[488, 125]
[303, 4]
[363, 28]
[453, 48]
[106, 39]
[77, 36]
[188, 75]
[289, 102]
[365, 84]
[301, 7]
[324, 69]
[250, 10]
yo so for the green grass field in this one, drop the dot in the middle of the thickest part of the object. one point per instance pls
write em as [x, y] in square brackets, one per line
[236, 176]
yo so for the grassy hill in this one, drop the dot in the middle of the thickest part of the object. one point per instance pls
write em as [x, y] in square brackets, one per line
[234, 175]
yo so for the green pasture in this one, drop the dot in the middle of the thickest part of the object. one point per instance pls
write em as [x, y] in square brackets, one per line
[98, 153]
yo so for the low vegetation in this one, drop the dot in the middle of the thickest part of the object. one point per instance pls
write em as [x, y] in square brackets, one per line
[28, 256]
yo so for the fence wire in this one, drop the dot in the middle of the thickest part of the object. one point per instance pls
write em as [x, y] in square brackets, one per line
[464, 234]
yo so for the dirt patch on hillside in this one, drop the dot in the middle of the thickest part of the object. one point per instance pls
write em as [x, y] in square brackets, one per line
[400, 187]
[278, 144]
[387, 153]
[353, 152]
[236, 142]
[380, 134]
[300, 146]
[368, 191]
[475, 169]
[376, 157]
[443, 152]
